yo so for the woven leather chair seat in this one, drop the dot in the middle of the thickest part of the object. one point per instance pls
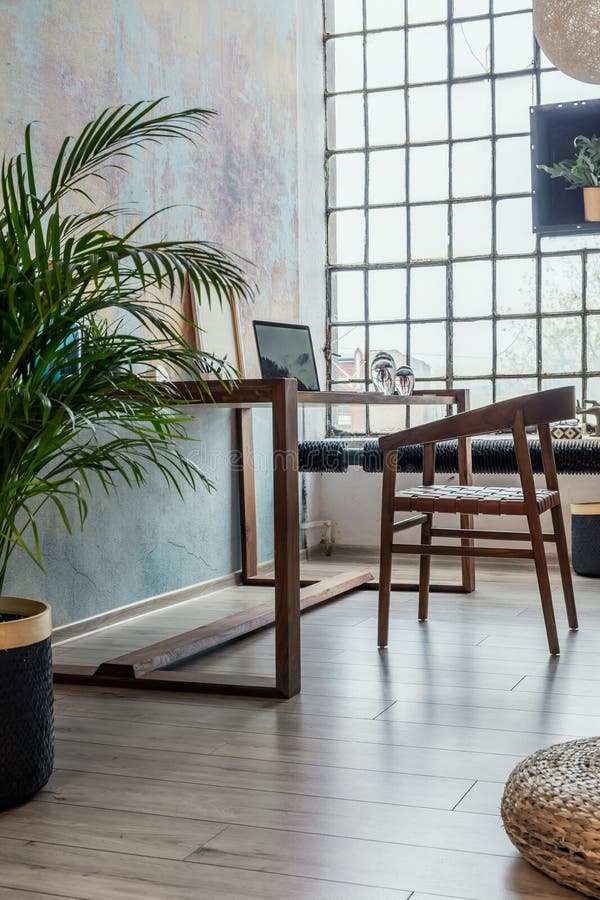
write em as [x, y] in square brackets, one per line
[491, 501]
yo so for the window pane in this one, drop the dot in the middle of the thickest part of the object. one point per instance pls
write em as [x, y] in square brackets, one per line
[385, 13]
[513, 163]
[593, 281]
[345, 122]
[516, 346]
[427, 54]
[431, 11]
[570, 242]
[347, 237]
[472, 289]
[472, 348]
[387, 235]
[501, 6]
[466, 99]
[464, 8]
[347, 296]
[514, 96]
[561, 344]
[428, 112]
[429, 232]
[391, 338]
[514, 387]
[387, 419]
[472, 228]
[513, 226]
[387, 118]
[385, 59]
[593, 343]
[513, 43]
[592, 392]
[472, 169]
[348, 368]
[344, 15]
[428, 173]
[345, 64]
[350, 419]
[387, 176]
[480, 391]
[556, 87]
[548, 383]
[515, 286]
[428, 349]
[387, 294]
[347, 179]
[428, 288]
[561, 283]
[471, 48]
[349, 342]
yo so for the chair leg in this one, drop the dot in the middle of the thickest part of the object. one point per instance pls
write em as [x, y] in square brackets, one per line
[541, 568]
[385, 550]
[533, 519]
[424, 571]
[565, 566]
[467, 563]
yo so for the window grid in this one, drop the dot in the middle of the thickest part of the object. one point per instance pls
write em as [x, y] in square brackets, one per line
[496, 256]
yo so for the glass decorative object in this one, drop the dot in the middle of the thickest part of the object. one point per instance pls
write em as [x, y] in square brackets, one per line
[383, 370]
[405, 381]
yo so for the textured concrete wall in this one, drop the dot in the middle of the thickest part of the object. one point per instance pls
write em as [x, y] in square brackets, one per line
[62, 62]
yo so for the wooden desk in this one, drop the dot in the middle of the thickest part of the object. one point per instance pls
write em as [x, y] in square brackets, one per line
[145, 668]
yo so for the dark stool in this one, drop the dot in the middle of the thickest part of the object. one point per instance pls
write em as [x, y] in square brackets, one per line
[585, 534]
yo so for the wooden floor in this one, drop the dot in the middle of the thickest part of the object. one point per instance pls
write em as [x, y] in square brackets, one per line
[381, 781]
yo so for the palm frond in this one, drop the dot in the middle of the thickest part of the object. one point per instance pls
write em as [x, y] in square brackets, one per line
[87, 315]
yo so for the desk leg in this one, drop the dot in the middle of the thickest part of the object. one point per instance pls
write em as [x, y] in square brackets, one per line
[287, 537]
[465, 476]
[247, 489]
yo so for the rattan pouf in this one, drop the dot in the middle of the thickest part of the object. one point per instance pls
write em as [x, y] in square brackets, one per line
[551, 812]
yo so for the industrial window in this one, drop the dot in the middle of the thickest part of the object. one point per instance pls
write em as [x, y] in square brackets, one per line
[431, 253]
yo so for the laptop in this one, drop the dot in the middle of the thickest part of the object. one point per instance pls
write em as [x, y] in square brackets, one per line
[286, 351]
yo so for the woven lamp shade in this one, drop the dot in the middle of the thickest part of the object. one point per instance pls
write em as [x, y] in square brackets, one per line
[568, 31]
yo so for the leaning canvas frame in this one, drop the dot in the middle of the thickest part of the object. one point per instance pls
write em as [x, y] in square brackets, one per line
[220, 332]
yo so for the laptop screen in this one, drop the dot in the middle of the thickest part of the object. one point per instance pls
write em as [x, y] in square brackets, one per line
[286, 351]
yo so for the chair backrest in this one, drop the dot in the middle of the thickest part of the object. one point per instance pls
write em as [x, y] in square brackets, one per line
[536, 409]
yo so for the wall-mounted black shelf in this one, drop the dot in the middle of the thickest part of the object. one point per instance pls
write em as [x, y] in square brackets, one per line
[557, 211]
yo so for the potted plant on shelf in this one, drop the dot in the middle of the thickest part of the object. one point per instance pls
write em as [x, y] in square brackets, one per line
[582, 172]
[85, 320]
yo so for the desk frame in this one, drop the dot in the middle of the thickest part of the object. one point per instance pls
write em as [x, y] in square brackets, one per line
[145, 668]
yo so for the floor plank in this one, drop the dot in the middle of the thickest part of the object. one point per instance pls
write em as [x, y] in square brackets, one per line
[483, 798]
[97, 875]
[95, 828]
[376, 863]
[362, 820]
[381, 781]
[409, 789]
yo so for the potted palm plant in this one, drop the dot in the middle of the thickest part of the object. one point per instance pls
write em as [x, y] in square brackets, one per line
[582, 172]
[85, 320]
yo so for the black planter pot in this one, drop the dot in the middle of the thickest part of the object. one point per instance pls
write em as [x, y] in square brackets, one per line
[26, 699]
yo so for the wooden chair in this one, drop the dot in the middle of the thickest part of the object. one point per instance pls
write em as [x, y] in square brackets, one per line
[465, 499]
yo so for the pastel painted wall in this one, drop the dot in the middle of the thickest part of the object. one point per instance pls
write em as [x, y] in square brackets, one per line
[62, 62]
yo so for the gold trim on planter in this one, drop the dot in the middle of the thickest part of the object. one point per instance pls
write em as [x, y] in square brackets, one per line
[585, 509]
[37, 625]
